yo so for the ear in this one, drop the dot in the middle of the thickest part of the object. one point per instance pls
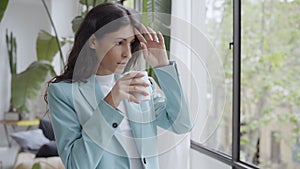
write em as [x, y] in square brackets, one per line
[92, 42]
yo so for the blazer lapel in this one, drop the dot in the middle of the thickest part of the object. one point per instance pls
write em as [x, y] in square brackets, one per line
[142, 124]
[91, 91]
[143, 129]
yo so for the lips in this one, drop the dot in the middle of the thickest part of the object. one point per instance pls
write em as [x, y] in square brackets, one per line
[122, 64]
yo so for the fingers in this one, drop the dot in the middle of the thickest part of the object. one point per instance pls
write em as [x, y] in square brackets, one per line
[138, 82]
[132, 75]
[134, 91]
[131, 97]
[134, 78]
[146, 32]
[150, 34]
[161, 38]
[139, 36]
[138, 89]
[144, 49]
[153, 34]
[130, 86]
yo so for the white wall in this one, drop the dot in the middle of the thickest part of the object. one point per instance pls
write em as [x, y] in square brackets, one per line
[201, 161]
[188, 50]
[25, 19]
[63, 12]
[201, 74]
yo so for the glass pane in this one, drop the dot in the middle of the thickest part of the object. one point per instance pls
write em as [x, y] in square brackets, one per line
[270, 93]
[213, 127]
[201, 161]
[129, 3]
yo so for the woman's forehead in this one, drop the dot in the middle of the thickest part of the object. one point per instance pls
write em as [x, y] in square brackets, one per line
[124, 32]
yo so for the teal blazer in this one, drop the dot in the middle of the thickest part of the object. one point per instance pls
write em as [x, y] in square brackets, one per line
[86, 127]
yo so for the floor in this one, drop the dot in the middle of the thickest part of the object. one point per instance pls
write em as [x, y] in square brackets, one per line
[7, 154]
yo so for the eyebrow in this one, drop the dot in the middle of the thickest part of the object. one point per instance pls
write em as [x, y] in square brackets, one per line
[122, 38]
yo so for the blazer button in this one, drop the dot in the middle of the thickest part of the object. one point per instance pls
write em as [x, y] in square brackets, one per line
[144, 160]
[114, 125]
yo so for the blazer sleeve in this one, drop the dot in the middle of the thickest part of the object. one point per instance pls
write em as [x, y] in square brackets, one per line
[172, 111]
[75, 147]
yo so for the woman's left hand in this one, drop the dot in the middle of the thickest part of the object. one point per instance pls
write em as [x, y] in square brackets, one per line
[153, 46]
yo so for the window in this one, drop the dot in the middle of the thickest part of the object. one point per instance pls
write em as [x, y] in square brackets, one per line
[129, 3]
[249, 102]
[214, 124]
[270, 82]
[263, 130]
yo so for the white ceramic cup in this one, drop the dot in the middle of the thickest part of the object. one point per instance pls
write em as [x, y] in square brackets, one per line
[148, 89]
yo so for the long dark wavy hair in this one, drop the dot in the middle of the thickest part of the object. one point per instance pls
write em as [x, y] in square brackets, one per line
[82, 60]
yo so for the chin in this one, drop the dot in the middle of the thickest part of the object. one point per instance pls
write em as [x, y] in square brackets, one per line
[119, 71]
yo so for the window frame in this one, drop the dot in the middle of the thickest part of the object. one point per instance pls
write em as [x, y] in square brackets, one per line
[233, 160]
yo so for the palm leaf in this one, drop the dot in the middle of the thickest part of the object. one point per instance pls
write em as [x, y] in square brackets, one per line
[78, 19]
[157, 6]
[94, 2]
[157, 14]
[25, 85]
[3, 6]
[76, 23]
[11, 45]
[46, 46]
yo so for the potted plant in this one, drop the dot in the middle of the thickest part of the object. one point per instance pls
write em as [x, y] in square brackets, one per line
[26, 84]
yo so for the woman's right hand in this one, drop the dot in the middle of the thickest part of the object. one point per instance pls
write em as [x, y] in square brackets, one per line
[124, 87]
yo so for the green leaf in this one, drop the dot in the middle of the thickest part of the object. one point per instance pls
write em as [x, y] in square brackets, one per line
[3, 6]
[155, 14]
[11, 45]
[293, 120]
[76, 23]
[36, 166]
[26, 84]
[244, 141]
[275, 59]
[296, 130]
[78, 19]
[91, 2]
[47, 46]
[150, 7]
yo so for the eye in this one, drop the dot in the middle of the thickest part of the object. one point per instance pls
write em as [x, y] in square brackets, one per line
[132, 42]
[118, 43]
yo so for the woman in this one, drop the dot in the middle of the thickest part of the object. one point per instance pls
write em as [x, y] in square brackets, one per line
[98, 120]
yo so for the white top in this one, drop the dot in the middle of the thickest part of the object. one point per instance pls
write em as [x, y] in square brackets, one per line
[106, 83]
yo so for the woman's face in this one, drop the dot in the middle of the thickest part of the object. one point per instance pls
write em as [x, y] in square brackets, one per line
[113, 50]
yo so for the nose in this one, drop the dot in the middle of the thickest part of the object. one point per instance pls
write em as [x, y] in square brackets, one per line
[126, 51]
